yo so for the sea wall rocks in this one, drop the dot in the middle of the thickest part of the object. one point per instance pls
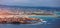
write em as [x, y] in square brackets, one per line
[19, 20]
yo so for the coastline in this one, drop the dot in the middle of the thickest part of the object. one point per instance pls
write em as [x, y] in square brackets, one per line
[44, 15]
[40, 15]
[28, 15]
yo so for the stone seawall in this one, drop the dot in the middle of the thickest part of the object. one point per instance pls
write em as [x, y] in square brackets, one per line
[20, 20]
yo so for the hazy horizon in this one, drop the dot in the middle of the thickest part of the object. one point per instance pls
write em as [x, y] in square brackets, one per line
[33, 3]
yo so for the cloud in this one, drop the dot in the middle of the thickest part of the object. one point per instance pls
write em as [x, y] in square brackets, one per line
[31, 2]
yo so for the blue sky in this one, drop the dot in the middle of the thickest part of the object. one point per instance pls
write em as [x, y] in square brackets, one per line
[49, 3]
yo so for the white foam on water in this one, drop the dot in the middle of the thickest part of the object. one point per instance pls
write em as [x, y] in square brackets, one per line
[44, 21]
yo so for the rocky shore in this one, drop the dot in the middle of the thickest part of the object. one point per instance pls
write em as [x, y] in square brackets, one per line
[19, 20]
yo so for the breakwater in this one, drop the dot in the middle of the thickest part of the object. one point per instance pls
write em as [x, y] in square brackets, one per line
[20, 20]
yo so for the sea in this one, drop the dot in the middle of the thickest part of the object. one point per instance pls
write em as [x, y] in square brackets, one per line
[49, 21]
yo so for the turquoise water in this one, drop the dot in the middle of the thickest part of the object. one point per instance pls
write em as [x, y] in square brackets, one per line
[51, 22]
[58, 13]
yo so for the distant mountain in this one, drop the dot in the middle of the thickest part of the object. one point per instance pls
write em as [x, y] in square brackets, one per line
[43, 8]
[28, 6]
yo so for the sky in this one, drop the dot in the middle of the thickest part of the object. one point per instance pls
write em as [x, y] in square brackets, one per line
[48, 3]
